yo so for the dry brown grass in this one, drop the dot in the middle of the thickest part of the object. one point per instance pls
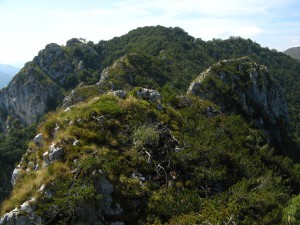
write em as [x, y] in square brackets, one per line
[25, 190]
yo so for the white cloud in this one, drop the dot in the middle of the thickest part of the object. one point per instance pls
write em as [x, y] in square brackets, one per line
[294, 43]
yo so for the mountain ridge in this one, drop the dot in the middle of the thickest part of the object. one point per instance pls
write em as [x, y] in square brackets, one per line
[243, 87]
[129, 133]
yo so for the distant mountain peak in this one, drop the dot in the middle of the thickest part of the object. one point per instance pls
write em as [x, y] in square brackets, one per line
[6, 74]
[293, 52]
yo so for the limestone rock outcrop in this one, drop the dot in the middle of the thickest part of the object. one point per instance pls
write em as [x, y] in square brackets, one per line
[28, 96]
[41, 85]
[244, 87]
[25, 214]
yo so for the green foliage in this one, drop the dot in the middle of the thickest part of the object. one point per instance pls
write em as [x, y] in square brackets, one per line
[146, 136]
[291, 214]
[14, 145]
[283, 68]
[68, 195]
[221, 170]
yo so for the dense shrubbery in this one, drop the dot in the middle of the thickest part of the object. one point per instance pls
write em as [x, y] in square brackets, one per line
[12, 146]
[184, 57]
[192, 168]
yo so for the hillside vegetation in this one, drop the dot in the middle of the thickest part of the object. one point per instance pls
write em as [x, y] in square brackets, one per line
[176, 165]
[119, 140]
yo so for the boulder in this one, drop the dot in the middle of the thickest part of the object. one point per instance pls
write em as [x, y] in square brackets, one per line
[23, 215]
[15, 176]
[148, 94]
[38, 139]
[56, 153]
[119, 93]
[46, 158]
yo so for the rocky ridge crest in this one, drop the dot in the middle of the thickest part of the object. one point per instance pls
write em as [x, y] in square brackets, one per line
[244, 87]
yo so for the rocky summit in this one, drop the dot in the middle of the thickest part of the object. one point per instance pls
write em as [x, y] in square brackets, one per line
[126, 131]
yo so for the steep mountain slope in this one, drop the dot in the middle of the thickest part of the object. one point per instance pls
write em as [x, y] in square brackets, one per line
[41, 85]
[293, 52]
[243, 87]
[38, 88]
[284, 69]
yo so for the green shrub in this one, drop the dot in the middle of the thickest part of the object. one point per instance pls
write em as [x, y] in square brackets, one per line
[146, 136]
[291, 214]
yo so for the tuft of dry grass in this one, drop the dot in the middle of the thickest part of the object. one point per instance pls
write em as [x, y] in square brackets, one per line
[25, 190]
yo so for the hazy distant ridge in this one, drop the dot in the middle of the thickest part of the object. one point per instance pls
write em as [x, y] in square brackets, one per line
[6, 74]
[293, 52]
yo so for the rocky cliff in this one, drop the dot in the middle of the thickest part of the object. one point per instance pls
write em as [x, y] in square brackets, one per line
[28, 96]
[244, 87]
[41, 85]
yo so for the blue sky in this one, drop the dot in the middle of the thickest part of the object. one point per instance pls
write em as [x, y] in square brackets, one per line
[27, 26]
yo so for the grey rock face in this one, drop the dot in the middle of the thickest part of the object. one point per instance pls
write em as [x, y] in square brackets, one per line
[76, 95]
[26, 98]
[105, 74]
[24, 215]
[15, 176]
[119, 93]
[80, 65]
[37, 87]
[38, 139]
[245, 88]
[53, 61]
[46, 158]
[55, 153]
[71, 99]
[106, 189]
[148, 94]
[90, 214]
